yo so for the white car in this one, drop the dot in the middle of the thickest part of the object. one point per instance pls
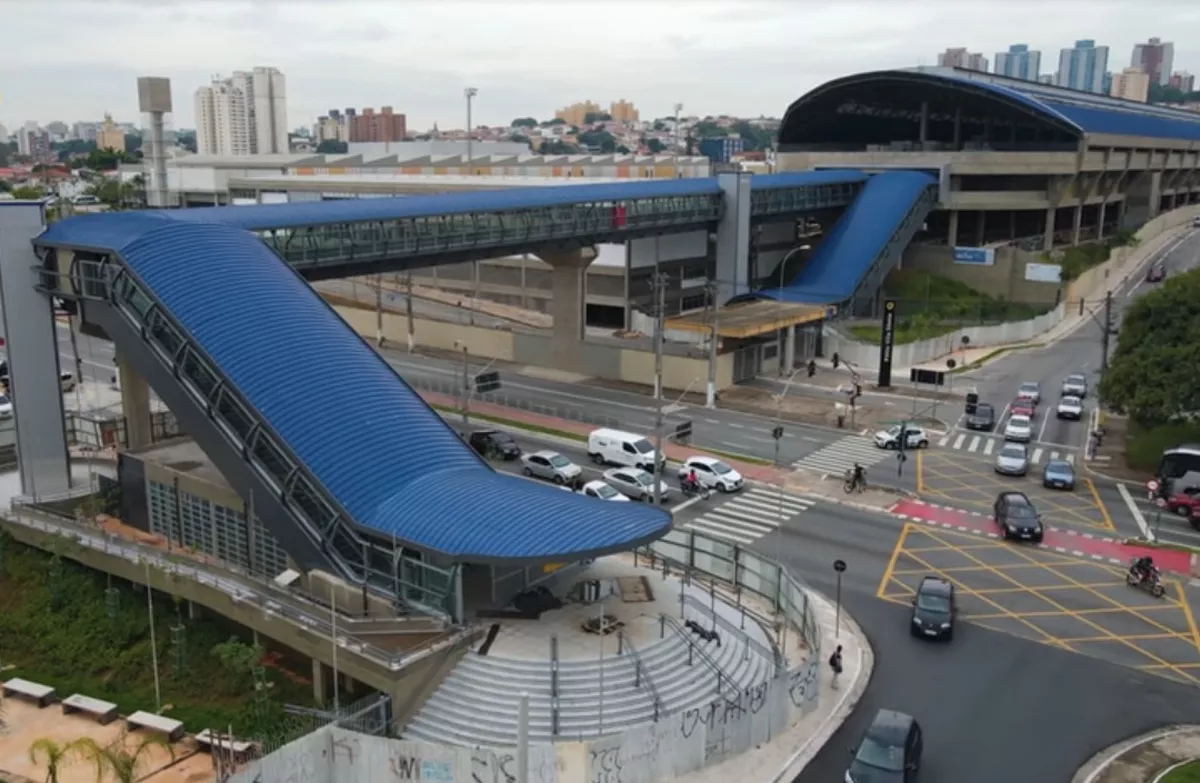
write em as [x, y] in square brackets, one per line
[6, 408]
[712, 473]
[1019, 429]
[550, 465]
[601, 491]
[914, 437]
[1030, 390]
[1070, 408]
[635, 484]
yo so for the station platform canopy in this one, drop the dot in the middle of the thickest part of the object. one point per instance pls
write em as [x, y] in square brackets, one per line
[743, 320]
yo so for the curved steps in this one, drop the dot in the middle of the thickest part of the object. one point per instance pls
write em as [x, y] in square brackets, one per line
[478, 702]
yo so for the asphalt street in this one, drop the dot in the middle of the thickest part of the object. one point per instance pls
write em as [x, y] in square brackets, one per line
[994, 707]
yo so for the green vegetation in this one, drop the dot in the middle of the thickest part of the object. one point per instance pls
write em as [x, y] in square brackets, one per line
[948, 300]
[1188, 773]
[921, 326]
[1154, 376]
[80, 631]
[1077, 260]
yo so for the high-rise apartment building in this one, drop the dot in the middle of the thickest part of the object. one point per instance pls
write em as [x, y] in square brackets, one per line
[330, 127]
[961, 58]
[1156, 59]
[110, 137]
[1019, 63]
[1083, 66]
[3, 133]
[369, 126]
[623, 111]
[1180, 80]
[576, 113]
[1132, 84]
[245, 114]
[33, 141]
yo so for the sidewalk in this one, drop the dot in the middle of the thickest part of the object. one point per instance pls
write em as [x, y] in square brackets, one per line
[1142, 759]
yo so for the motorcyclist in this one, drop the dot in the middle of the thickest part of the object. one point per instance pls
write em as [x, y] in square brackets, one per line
[1143, 568]
[692, 481]
[860, 475]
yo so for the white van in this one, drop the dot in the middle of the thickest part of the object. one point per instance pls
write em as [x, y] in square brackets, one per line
[613, 447]
[1196, 222]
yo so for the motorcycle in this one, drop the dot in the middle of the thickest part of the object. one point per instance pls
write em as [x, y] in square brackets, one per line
[1151, 583]
[692, 489]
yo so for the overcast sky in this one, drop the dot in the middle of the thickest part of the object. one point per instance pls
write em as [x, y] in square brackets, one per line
[73, 60]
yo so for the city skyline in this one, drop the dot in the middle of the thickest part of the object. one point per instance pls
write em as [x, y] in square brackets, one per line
[724, 58]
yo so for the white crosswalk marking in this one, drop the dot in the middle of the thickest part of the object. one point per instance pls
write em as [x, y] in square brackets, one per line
[944, 441]
[1037, 456]
[974, 444]
[987, 445]
[750, 515]
[958, 442]
[840, 456]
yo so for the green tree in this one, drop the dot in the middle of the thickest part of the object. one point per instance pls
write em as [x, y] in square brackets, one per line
[107, 160]
[1154, 375]
[133, 144]
[519, 138]
[524, 122]
[555, 121]
[186, 139]
[54, 755]
[706, 128]
[655, 146]
[621, 148]
[239, 659]
[4, 186]
[333, 147]
[123, 762]
[27, 192]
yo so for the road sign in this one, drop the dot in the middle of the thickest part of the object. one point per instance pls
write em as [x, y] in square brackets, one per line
[1160, 502]
[1152, 485]
[839, 565]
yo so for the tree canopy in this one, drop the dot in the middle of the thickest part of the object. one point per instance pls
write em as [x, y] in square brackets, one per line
[1154, 375]
[333, 147]
[524, 122]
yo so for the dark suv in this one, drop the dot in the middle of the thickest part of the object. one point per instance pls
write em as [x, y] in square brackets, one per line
[1017, 518]
[984, 418]
[934, 609]
[890, 751]
[495, 444]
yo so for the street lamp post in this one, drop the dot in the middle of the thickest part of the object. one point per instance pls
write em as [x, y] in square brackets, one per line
[782, 268]
[466, 381]
[469, 93]
[659, 435]
[777, 433]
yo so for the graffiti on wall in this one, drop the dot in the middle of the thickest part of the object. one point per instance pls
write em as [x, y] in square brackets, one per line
[380, 760]
[803, 686]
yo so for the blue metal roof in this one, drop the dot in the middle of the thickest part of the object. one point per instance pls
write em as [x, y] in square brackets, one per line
[857, 238]
[392, 463]
[804, 179]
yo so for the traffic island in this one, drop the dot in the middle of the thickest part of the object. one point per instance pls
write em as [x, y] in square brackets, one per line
[1167, 755]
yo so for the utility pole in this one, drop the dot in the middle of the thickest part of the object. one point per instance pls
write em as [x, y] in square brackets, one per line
[466, 382]
[469, 93]
[710, 396]
[678, 108]
[659, 314]
[1108, 330]
[408, 307]
[379, 310]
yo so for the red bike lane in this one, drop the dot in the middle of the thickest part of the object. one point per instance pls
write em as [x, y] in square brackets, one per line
[1082, 544]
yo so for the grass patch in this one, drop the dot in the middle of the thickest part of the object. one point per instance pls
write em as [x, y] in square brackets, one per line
[1144, 445]
[945, 299]
[991, 355]
[907, 331]
[1185, 773]
[58, 627]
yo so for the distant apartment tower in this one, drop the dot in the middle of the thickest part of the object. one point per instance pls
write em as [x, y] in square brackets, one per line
[721, 149]
[33, 141]
[576, 113]
[245, 114]
[1019, 63]
[1156, 59]
[1083, 66]
[961, 58]
[330, 127]
[110, 137]
[1132, 84]
[3, 133]
[623, 111]
[384, 126]
[1180, 80]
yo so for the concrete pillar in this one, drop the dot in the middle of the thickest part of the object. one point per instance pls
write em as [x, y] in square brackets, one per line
[1101, 213]
[1012, 225]
[568, 288]
[31, 346]
[923, 131]
[318, 681]
[135, 405]
[787, 351]
[980, 228]
[733, 236]
[348, 684]
[1076, 224]
[952, 230]
[1048, 239]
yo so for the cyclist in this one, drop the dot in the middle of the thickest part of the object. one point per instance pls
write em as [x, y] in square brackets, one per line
[859, 478]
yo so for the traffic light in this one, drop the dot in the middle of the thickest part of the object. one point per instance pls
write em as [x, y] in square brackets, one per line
[972, 400]
[857, 390]
[487, 382]
[812, 368]
[777, 433]
[836, 361]
[902, 440]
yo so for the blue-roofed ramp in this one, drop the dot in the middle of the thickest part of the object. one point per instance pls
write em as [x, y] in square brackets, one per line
[864, 244]
[333, 451]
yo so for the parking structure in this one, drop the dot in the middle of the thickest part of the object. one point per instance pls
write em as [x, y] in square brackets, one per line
[1072, 603]
[972, 483]
[744, 517]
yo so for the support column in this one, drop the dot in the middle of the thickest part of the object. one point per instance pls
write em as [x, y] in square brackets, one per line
[318, 681]
[1048, 238]
[952, 230]
[31, 345]
[135, 405]
[787, 352]
[923, 133]
[568, 289]
[733, 236]
[981, 228]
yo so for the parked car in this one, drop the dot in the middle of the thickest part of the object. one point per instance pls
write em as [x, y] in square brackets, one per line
[552, 466]
[1156, 273]
[1019, 429]
[6, 407]
[1070, 408]
[1058, 474]
[890, 750]
[984, 418]
[494, 443]
[914, 438]
[1022, 407]
[1030, 390]
[1075, 385]
[635, 484]
[1017, 518]
[712, 473]
[934, 609]
[1013, 460]
[601, 491]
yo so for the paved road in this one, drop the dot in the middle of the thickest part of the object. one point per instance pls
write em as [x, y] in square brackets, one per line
[993, 706]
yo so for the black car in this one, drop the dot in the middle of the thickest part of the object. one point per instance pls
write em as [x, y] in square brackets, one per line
[494, 443]
[890, 751]
[984, 418]
[1015, 514]
[934, 609]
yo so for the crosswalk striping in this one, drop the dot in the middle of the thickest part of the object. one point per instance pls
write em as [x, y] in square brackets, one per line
[987, 445]
[840, 456]
[750, 515]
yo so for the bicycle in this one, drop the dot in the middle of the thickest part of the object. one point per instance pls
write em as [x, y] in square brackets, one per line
[851, 485]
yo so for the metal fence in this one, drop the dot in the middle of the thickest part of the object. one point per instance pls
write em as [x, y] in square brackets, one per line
[371, 714]
[453, 390]
[960, 312]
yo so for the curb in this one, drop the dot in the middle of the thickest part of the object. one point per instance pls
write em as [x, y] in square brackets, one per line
[1094, 767]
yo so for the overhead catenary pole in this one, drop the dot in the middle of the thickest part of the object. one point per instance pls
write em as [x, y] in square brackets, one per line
[153, 643]
[379, 310]
[659, 423]
[1108, 330]
[466, 382]
[710, 395]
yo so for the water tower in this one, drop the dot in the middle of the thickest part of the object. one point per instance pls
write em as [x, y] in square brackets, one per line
[154, 101]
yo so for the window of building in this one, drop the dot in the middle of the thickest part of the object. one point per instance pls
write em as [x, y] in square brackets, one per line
[164, 520]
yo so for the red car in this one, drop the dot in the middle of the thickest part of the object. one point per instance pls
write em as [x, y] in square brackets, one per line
[1185, 503]
[1022, 407]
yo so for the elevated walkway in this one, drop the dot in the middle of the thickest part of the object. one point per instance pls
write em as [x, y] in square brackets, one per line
[864, 244]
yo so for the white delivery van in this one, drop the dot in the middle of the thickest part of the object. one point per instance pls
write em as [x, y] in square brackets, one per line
[1196, 222]
[613, 447]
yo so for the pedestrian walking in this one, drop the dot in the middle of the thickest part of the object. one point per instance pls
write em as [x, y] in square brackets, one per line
[835, 663]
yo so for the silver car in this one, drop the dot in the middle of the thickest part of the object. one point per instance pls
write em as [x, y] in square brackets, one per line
[1013, 460]
[635, 484]
[1030, 390]
[1019, 428]
[550, 465]
[1070, 408]
[1075, 385]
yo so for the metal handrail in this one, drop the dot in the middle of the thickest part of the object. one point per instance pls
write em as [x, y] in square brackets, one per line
[640, 673]
[771, 654]
[722, 675]
[554, 685]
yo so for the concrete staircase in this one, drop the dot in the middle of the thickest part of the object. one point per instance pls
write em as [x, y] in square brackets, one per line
[478, 703]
